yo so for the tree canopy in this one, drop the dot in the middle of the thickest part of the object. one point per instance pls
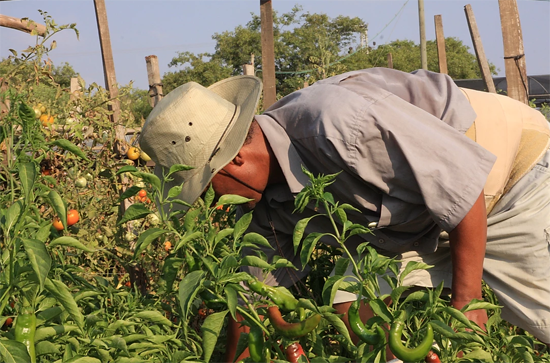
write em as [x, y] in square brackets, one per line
[309, 47]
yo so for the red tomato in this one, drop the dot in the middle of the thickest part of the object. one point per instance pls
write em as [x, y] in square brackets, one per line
[142, 193]
[72, 217]
[432, 358]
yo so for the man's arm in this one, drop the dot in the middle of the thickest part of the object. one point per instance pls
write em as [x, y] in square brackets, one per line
[468, 241]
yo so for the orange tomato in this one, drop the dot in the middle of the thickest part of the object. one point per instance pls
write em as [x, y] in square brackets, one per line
[72, 217]
[133, 153]
[142, 193]
[167, 246]
[8, 322]
[128, 284]
[57, 224]
[46, 120]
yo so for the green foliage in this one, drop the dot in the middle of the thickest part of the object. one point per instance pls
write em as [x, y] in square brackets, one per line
[309, 47]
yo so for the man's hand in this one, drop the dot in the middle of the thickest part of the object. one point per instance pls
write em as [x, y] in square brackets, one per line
[468, 241]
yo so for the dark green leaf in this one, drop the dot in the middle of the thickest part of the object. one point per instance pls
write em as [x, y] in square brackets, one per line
[149, 178]
[70, 242]
[211, 328]
[61, 292]
[177, 168]
[232, 199]
[255, 261]
[299, 231]
[127, 169]
[39, 257]
[14, 352]
[257, 239]
[146, 238]
[153, 316]
[59, 206]
[130, 192]
[27, 175]
[380, 309]
[135, 211]
[242, 225]
[188, 289]
[70, 147]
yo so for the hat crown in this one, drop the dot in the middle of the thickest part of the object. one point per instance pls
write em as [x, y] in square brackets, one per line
[186, 126]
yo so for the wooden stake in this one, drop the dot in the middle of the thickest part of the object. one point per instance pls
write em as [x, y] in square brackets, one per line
[153, 75]
[423, 51]
[478, 47]
[440, 40]
[22, 25]
[390, 61]
[121, 146]
[268, 53]
[514, 53]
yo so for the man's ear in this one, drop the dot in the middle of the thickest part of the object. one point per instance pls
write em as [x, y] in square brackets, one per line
[238, 160]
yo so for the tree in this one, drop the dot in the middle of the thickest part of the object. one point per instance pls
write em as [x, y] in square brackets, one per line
[309, 47]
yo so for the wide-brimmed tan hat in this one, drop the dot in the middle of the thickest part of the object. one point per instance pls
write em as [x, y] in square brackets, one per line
[200, 127]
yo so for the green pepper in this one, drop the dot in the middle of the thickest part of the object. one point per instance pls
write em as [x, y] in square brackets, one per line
[291, 330]
[357, 326]
[279, 294]
[256, 344]
[25, 327]
[401, 351]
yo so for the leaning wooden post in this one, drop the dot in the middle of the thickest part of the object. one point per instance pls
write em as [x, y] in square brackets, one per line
[478, 47]
[514, 53]
[27, 26]
[120, 146]
[153, 75]
[268, 53]
[440, 40]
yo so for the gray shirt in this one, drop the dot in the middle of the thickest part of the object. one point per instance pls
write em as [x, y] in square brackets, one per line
[398, 140]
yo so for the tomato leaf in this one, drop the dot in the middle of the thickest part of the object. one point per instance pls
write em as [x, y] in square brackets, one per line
[39, 257]
[70, 242]
[27, 175]
[11, 216]
[135, 211]
[210, 329]
[59, 206]
[69, 146]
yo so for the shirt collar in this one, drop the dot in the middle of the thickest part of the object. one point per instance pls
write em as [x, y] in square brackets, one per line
[285, 153]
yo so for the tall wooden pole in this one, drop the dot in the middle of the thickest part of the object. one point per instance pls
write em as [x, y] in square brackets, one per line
[423, 52]
[480, 52]
[440, 40]
[153, 76]
[268, 53]
[514, 56]
[390, 60]
[110, 78]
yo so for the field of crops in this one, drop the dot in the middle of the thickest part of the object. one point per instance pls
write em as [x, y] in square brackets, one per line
[92, 270]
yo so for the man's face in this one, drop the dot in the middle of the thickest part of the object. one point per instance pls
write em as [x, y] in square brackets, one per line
[236, 180]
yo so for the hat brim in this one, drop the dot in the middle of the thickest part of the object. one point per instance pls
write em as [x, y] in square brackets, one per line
[242, 91]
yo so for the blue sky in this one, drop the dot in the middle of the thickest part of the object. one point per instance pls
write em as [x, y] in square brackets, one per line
[163, 28]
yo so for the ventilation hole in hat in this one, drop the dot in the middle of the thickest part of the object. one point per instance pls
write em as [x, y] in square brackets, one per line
[173, 143]
[187, 138]
[190, 124]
